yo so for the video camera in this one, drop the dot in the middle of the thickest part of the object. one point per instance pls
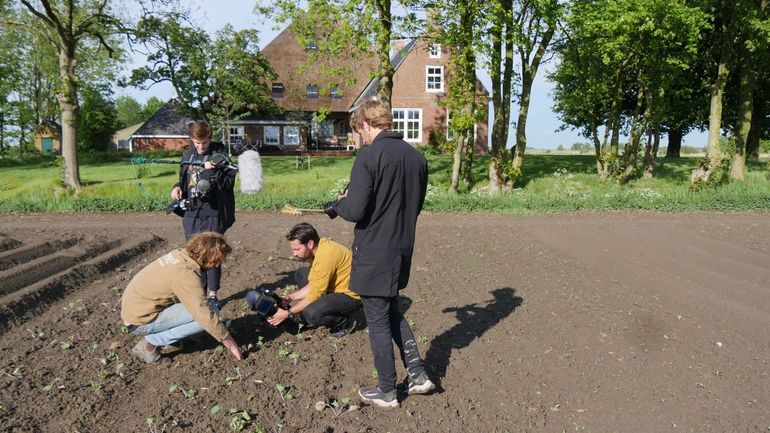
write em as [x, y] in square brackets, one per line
[264, 301]
[197, 197]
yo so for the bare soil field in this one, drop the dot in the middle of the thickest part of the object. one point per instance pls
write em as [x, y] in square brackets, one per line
[587, 323]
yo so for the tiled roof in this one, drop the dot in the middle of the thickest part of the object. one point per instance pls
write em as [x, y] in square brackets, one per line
[169, 120]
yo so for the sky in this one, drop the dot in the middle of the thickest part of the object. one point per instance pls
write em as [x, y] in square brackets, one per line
[542, 122]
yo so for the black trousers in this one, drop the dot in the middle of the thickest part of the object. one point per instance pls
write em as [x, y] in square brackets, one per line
[387, 326]
[193, 225]
[330, 310]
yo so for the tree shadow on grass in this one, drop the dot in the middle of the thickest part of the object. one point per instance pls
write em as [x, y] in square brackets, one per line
[474, 321]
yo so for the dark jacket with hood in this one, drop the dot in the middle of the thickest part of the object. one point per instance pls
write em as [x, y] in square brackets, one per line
[386, 193]
[221, 199]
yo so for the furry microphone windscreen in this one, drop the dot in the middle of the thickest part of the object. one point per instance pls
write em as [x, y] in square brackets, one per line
[250, 171]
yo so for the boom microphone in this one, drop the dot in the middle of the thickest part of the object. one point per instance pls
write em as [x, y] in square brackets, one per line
[250, 165]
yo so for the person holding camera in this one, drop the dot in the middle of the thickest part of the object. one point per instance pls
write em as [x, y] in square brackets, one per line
[323, 297]
[205, 186]
[387, 189]
[165, 301]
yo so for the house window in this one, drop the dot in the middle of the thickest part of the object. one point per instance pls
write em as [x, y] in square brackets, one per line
[236, 133]
[434, 51]
[123, 145]
[434, 78]
[291, 135]
[408, 122]
[272, 134]
[277, 90]
[335, 92]
[312, 91]
[312, 44]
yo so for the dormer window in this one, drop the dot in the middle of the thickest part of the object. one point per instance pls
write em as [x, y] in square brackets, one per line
[312, 91]
[277, 90]
[335, 92]
[434, 51]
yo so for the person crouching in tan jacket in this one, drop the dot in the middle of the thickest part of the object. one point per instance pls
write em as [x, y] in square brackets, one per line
[165, 301]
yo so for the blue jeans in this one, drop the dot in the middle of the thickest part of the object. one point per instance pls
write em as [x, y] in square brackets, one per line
[172, 324]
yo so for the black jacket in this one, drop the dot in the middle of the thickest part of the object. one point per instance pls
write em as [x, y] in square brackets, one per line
[386, 193]
[222, 180]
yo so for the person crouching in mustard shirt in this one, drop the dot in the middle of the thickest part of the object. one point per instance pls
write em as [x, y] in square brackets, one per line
[165, 301]
[323, 297]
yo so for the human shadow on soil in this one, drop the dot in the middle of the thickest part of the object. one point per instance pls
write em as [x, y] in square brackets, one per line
[474, 321]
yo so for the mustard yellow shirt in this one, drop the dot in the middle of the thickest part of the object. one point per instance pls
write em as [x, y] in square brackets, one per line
[330, 270]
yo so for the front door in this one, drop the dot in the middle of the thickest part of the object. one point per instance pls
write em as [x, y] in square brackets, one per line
[46, 145]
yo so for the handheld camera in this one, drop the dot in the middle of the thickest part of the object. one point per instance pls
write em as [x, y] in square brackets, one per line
[264, 301]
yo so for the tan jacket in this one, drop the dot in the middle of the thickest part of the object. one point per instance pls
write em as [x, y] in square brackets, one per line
[173, 278]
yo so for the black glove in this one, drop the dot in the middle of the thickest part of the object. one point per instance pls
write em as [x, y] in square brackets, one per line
[329, 209]
[213, 304]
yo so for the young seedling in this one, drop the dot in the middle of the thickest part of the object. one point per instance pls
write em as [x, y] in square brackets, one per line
[284, 391]
[239, 421]
[338, 407]
[294, 356]
[96, 385]
[229, 380]
[190, 393]
[49, 387]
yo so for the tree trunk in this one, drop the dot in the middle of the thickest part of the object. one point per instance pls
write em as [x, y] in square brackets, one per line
[529, 71]
[501, 99]
[674, 148]
[2, 133]
[745, 109]
[69, 116]
[713, 152]
[629, 154]
[457, 158]
[757, 124]
[598, 152]
[385, 74]
[651, 155]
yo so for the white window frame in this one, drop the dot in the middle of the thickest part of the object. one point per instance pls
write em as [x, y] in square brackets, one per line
[408, 121]
[272, 135]
[291, 135]
[437, 73]
[237, 132]
[434, 51]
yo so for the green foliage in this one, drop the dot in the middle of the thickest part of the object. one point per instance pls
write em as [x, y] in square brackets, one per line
[97, 121]
[128, 112]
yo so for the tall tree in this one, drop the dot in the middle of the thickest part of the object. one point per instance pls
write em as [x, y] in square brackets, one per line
[128, 111]
[69, 25]
[98, 119]
[535, 23]
[213, 79]
[456, 24]
[500, 50]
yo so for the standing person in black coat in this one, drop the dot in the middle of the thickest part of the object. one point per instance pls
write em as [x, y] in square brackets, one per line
[206, 183]
[387, 190]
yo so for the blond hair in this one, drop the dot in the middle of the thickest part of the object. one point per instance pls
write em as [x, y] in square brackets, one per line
[208, 249]
[373, 112]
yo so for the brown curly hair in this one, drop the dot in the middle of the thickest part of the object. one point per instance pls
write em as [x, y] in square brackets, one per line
[208, 249]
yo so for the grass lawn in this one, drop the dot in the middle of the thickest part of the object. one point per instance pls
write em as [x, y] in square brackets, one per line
[551, 183]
